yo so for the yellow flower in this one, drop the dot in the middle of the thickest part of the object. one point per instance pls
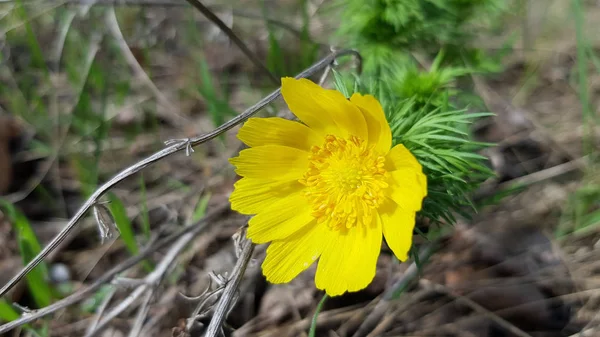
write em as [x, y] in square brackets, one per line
[326, 188]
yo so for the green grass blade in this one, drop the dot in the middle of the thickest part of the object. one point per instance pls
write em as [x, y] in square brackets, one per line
[29, 247]
[36, 51]
[125, 227]
[200, 210]
[123, 223]
[7, 312]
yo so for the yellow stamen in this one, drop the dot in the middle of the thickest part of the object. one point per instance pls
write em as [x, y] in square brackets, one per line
[345, 182]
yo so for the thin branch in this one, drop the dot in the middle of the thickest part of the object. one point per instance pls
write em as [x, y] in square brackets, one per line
[122, 306]
[226, 302]
[82, 294]
[234, 38]
[477, 307]
[142, 314]
[533, 178]
[170, 3]
[183, 145]
[381, 308]
[102, 308]
[147, 287]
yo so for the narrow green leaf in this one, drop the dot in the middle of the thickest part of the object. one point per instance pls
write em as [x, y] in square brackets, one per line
[7, 312]
[200, 210]
[123, 223]
[29, 247]
[338, 81]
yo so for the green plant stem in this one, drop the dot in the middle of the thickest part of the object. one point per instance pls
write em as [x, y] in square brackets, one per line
[313, 324]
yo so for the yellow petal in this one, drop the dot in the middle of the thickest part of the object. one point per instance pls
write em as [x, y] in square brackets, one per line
[349, 261]
[398, 225]
[281, 219]
[271, 161]
[380, 134]
[406, 188]
[287, 258]
[250, 196]
[400, 157]
[278, 131]
[325, 111]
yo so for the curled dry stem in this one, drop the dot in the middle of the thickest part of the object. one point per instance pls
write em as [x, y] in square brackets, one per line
[129, 171]
[147, 288]
[84, 293]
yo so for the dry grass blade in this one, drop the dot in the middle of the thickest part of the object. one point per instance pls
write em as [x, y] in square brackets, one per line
[478, 308]
[82, 294]
[146, 288]
[183, 145]
[375, 316]
[226, 302]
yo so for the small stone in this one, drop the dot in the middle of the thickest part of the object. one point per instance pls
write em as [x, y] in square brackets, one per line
[59, 273]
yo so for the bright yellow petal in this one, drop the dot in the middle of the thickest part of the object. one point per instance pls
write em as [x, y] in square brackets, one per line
[380, 134]
[398, 225]
[400, 157]
[406, 189]
[325, 111]
[250, 196]
[271, 161]
[287, 258]
[281, 219]
[278, 131]
[350, 259]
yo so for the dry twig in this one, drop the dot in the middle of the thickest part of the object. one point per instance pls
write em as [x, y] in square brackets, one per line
[115, 30]
[177, 146]
[82, 294]
[478, 308]
[231, 35]
[226, 302]
[380, 309]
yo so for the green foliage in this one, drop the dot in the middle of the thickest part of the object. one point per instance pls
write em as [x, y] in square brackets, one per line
[307, 53]
[125, 227]
[582, 212]
[7, 312]
[425, 107]
[215, 95]
[29, 247]
[425, 87]
[119, 213]
[218, 107]
[437, 134]
[386, 31]
[200, 210]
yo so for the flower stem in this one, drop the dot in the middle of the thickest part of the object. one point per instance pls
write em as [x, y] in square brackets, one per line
[313, 325]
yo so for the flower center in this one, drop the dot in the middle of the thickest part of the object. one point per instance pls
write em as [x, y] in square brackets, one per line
[345, 182]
